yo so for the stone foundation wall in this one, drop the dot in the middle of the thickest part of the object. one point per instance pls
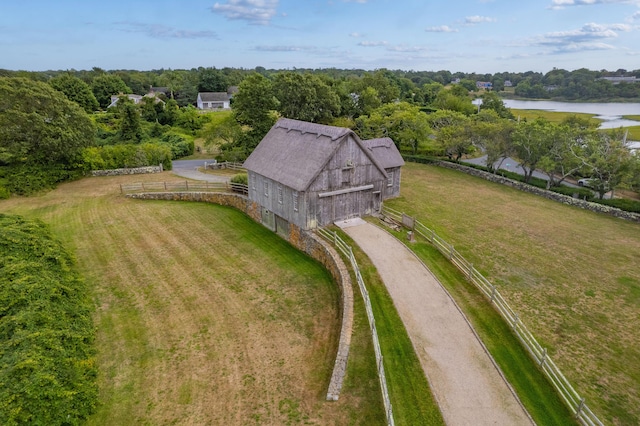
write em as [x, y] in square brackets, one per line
[128, 171]
[561, 198]
[305, 241]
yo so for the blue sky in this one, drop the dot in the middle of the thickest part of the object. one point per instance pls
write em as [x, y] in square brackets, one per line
[483, 36]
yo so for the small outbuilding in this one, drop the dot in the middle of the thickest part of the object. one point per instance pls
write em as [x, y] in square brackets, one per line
[311, 175]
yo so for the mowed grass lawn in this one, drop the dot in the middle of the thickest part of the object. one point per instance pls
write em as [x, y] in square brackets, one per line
[572, 275]
[203, 316]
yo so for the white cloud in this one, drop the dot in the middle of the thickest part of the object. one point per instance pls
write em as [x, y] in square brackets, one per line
[285, 48]
[257, 12]
[372, 43]
[163, 31]
[588, 32]
[441, 29]
[356, 35]
[561, 4]
[472, 20]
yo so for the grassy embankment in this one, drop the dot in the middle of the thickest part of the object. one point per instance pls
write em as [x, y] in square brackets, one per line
[571, 275]
[556, 117]
[203, 316]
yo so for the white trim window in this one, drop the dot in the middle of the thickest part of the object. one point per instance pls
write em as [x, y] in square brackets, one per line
[266, 188]
[390, 178]
[280, 194]
[295, 201]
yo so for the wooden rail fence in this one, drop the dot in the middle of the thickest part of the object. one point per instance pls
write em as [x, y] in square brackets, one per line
[190, 186]
[345, 249]
[569, 395]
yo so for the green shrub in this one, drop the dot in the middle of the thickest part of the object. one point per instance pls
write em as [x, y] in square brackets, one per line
[4, 193]
[582, 193]
[27, 179]
[622, 204]
[127, 155]
[47, 364]
[241, 178]
[181, 145]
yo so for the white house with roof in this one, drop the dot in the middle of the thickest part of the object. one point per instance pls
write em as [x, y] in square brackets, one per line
[213, 100]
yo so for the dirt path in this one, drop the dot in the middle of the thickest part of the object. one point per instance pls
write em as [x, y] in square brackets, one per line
[466, 384]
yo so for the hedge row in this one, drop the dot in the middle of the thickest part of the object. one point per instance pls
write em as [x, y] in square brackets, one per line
[47, 364]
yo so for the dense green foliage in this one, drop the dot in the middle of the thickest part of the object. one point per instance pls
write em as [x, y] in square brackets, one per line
[128, 155]
[42, 135]
[47, 372]
[76, 90]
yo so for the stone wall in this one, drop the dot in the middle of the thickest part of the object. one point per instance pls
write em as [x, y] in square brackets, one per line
[305, 241]
[561, 198]
[128, 171]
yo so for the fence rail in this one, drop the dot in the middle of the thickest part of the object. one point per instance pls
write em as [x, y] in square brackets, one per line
[345, 249]
[188, 186]
[224, 165]
[571, 398]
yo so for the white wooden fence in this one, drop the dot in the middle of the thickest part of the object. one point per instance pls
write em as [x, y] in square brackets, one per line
[568, 394]
[345, 249]
[192, 186]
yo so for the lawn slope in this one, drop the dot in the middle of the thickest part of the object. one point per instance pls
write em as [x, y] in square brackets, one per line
[572, 275]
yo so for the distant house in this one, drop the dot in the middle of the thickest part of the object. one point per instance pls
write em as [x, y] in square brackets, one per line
[115, 98]
[484, 85]
[311, 175]
[135, 98]
[618, 80]
[213, 100]
[508, 83]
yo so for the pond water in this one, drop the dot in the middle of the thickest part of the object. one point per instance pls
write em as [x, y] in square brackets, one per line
[609, 112]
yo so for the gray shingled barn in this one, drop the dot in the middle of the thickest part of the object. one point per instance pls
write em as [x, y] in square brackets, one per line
[312, 175]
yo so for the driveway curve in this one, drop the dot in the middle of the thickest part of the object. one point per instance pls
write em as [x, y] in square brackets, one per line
[469, 388]
[189, 169]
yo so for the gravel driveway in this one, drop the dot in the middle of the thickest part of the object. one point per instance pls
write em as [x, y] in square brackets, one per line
[189, 169]
[467, 385]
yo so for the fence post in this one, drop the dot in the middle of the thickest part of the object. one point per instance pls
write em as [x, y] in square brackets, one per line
[580, 407]
[186, 182]
[121, 191]
[515, 321]
[451, 251]
[143, 186]
[165, 185]
[493, 292]
[470, 272]
[544, 357]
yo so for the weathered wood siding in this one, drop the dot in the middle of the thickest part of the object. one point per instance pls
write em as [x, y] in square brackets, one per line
[393, 190]
[279, 200]
[350, 167]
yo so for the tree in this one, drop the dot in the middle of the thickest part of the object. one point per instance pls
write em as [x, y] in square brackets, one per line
[305, 97]
[212, 80]
[253, 107]
[560, 160]
[492, 135]
[454, 99]
[40, 126]
[402, 122]
[531, 142]
[129, 129]
[607, 159]
[106, 85]
[491, 100]
[76, 90]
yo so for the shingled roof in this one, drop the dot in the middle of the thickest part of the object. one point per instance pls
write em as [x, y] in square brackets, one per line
[295, 152]
[214, 96]
[385, 151]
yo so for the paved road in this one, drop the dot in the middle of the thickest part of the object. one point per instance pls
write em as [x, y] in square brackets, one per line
[189, 169]
[467, 385]
[509, 164]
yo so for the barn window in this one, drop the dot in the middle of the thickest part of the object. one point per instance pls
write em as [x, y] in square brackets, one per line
[253, 182]
[266, 189]
[280, 194]
[390, 178]
[295, 201]
[346, 176]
